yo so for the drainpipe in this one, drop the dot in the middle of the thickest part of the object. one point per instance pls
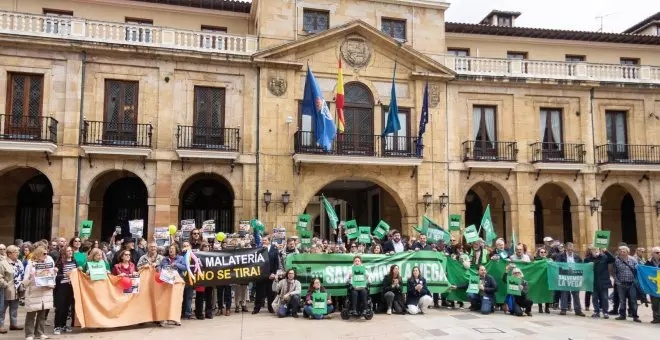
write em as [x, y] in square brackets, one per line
[80, 125]
[591, 109]
[256, 190]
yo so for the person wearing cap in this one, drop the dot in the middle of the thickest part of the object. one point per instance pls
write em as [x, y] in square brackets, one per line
[521, 301]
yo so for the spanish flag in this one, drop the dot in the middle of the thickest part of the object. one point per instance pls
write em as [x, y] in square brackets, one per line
[339, 100]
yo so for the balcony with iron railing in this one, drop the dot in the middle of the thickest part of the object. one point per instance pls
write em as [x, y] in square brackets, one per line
[72, 28]
[116, 138]
[560, 70]
[207, 142]
[557, 152]
[490, 151]
[28, 133]
[358, 149]
[628, 157]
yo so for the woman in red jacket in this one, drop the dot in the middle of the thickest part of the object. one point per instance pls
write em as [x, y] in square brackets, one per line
[124, 267]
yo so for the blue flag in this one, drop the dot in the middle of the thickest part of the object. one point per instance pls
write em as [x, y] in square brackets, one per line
[423, 119]
[393, 125]
[649, 279]
[314, 105]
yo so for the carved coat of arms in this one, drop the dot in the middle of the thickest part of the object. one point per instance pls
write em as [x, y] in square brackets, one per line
[277, 86]
[356, 51]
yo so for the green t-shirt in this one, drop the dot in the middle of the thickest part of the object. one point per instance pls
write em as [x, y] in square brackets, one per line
[80, 258]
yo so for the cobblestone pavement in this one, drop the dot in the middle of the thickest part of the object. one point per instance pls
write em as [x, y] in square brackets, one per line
[435, 324]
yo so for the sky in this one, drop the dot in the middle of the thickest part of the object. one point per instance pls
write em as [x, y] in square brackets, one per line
[579, 15]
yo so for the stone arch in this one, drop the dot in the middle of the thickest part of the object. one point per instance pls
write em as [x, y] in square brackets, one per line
[41, 170]
[87, 186]
[625, 220]
[505, 194]
[567, 188]
[181, 186]
[558, 216]
[501, 208]
[206, 196]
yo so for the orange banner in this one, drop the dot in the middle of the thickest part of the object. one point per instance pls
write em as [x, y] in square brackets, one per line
[103, 304]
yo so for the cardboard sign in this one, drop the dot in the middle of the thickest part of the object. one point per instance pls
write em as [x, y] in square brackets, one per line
[97, 270]
[471, 235]
[513, 285]
[136, 227]
[319, 303]
[162, 236]
[44, 274]
[118, 230]
[208, 229]
[365, 234]
[381, 229]
[359, 276]
[602, 238]
[187, 225]
[86, 228]
[352, 231]
[305, 239]
[454, 222]
[303, 222]
[473, 284]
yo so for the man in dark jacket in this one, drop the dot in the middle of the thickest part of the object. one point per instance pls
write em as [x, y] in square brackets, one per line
[569, 256]
[263, 288]
[421, 244]
[601, 259]
[485, 299]
[395, 245]
[654, 261]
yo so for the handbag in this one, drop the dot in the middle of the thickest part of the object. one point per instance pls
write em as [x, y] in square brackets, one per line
[276, 301]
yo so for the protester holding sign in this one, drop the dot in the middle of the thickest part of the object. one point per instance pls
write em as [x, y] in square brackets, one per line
[418, 297]
[63, 291]
[569, 256]
[500, 252]
[624, 278]
[317, 307]
[484, 300]
[392, 291]
[97, 267]
[204, 295]
[288, 295]
[602, 283]
[38, 297]
[358, 280]
[519, 293]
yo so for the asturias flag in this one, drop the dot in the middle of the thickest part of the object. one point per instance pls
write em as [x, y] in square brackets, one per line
[393, 125]
[649, 280]
[423, 119]
[339, 100]
[314, 105]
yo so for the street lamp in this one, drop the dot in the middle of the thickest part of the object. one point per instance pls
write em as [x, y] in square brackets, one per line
[267, 197]
[427, 200]
[594, 204]
[444, 201]
[285, 199]
[657, 208]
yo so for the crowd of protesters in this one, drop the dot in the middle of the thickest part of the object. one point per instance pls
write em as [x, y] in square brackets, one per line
[123, 257]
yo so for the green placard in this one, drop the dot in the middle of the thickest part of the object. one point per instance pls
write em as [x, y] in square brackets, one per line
[381, 229]
[352, 231]
[86, 228]
[471, 234]
[513, 285]
[97, 270]
[319, 303]
[359, 277]
[303, 222]
[365, 235]
[454, 222]
[305, 239]
[602, 238]
[563, 276]
[473, 284]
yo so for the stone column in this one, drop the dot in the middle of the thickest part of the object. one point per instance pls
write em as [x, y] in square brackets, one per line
[525, 234]
[162, 201]
[66, 209]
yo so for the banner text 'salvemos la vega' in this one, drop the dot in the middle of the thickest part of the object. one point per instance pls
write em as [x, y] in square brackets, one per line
[239, 266]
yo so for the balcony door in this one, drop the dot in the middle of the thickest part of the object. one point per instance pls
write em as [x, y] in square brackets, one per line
[485, 132]
[615, 125]
[209, 117]
[551, 134]
[358, 136]
[23, 109]
[121, 109]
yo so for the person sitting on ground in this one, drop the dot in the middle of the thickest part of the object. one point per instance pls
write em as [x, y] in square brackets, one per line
[418, 298]
[485, 299]
[519, 301]
[520, 254]
[316, 287]
[288, 291]
[392, 291]
[358, 294]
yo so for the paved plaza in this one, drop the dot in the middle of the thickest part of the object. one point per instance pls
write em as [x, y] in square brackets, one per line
[435, 324]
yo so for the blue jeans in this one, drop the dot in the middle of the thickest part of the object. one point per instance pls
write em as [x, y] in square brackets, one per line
[599, 298]
[627, 291]
[289, 308]
[13, 313]
[308, 311]
[484, 301]
[186, 306]
[576, 301]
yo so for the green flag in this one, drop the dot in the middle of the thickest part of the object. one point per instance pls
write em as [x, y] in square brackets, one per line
[433, 231]
[565, 276]
[487, 225]
[330, 210]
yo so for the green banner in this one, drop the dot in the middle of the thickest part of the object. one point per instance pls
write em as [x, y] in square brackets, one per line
[334, 268]
[365, 235]
[471, 234]
[303, 222]
[319, 303]
[513, 285]
[570, 276]
[352, 231]
[454, 222]
[381, 229]
[602, 238]
[86, 228]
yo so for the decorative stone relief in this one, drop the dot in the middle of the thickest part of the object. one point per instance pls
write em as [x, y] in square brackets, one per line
[356, 51]
[277, 85]
[434, 94]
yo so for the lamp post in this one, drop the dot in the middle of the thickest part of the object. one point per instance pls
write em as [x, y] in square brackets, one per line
[444, 201]
[267, 197]
[427, 200]
[594, 205]
[657, 208]
[285, 199]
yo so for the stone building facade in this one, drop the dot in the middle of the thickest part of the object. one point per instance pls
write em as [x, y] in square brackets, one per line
[162, 111]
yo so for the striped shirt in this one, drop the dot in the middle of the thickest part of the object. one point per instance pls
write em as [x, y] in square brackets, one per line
[623, 270]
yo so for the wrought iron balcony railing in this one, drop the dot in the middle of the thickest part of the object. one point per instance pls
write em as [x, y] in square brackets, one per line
[28, 128]
[116, 134]
[347, 144]
[206, 138]
[627, 154]
[557, 152]
[495, 151]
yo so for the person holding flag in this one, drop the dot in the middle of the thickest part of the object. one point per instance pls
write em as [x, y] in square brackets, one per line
[315, 106]
[653, 262]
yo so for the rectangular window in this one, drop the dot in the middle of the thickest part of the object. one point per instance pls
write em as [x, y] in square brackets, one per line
[121, 111]
[56, 22]
[395, 28]
[209, 116]
[459, 52]
[305, 127]
[24, 105]
[551, 132]
[629, 61]
[315, 21]
[398, 142]
[630, 68]
[504, 21]
[617, 137]
[209, 40]
[484, 131]
[516, 55]
[575, 58]
[138, 30]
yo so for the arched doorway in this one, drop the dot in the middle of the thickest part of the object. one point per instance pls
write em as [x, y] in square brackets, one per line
[115, 198]
[364, 201]
[26, 206]
[619, 215]
[478, 198]
[208, 197]
[552, 214]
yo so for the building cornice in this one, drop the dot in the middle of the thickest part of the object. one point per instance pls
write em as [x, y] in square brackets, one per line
[433, 4]
[165, 8]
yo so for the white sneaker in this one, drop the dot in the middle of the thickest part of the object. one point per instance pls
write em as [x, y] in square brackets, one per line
[44, 337]
[57, 331]
[29, 338]
[68, 329]
[389, 311]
